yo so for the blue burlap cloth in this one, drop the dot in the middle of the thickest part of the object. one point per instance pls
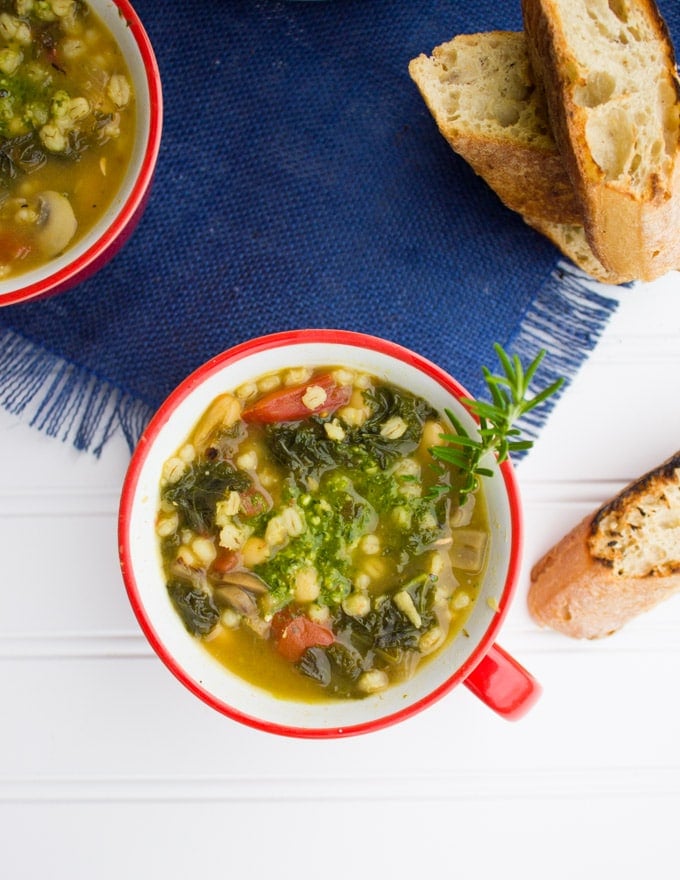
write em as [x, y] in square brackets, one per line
[301, 183]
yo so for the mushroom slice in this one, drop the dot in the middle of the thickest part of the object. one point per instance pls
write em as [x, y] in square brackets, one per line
[259, 626]
[247, 580]
[468, 550]
[238, 599]
[57, 223]
[244, 604]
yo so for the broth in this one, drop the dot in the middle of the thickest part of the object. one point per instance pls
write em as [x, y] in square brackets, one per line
[67, 122]
[309, 539]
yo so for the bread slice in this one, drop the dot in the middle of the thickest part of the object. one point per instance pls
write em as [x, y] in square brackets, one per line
[485, 102]
[571, 240]
[613, 96]
[618, 562]
[481, 93]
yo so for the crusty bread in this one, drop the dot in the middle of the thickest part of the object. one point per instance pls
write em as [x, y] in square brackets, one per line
[608, 70]
[571, 240]
[480, 91]
[618, 562]
[482, 95]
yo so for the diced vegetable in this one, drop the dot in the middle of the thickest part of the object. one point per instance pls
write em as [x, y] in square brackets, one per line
[469, 549]
[13, 247]
[321, 394]
[224, 561]
[293, 634]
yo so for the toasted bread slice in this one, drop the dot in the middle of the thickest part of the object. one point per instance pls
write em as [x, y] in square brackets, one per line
[618, 562]
[482, 95]
[613, 97]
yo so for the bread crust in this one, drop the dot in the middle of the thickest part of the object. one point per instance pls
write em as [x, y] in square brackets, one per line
[571, 240]
[529, 178]
[522, 163]
[578, 589]
[633, 234]
[651, 485]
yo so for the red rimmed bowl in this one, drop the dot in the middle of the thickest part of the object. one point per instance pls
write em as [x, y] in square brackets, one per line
[475, 660]
[82, 258]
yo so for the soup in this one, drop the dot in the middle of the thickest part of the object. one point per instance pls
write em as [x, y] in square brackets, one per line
[309, 539]
[67, 118]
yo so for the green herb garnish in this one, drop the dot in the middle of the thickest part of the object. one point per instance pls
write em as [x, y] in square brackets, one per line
[198, 490]
[508, 403]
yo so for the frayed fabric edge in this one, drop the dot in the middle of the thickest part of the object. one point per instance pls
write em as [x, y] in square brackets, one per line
[67, 401]
[64, 400]
[566, 320]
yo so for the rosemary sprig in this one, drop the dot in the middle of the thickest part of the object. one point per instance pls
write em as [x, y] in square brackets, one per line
[508, 403]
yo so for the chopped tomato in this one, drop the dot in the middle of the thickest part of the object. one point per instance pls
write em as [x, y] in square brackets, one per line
[224, 561]
[291, 404]
[293, 634]
[12, 247]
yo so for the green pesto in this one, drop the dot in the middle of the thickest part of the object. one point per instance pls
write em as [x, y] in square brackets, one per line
[19, 94]
[357, 491]
[30, 93]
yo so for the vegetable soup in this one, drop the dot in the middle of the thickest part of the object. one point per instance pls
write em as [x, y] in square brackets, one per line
[312, 542]
[67, 120]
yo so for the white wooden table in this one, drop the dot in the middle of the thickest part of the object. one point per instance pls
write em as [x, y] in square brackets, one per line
[109, 768]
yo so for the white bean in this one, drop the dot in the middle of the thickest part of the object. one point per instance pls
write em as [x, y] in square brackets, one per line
[314, 397]
[394, 428]
[431, 640]
[306, 585]
[167, 525]
[118, 90]
[373, 681]
[173, 470]
[204, 550]
[334, 430]
[370, 544]
[357, 604]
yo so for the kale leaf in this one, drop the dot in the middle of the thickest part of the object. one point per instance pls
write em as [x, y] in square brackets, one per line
[20, 155]
[336, 668]
[197, 492]
[304, 446]
[301, 446]
[315, 664]
[379, 638]
[195, 607]
[386, 627]
[385, 403]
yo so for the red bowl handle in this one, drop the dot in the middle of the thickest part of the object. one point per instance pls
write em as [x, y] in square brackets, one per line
[503, 684]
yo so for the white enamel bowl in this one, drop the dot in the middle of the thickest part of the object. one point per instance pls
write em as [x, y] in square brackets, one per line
[114, 228]
[461, 662]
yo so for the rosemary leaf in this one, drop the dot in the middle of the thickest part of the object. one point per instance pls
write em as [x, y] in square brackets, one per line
[496, 434]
